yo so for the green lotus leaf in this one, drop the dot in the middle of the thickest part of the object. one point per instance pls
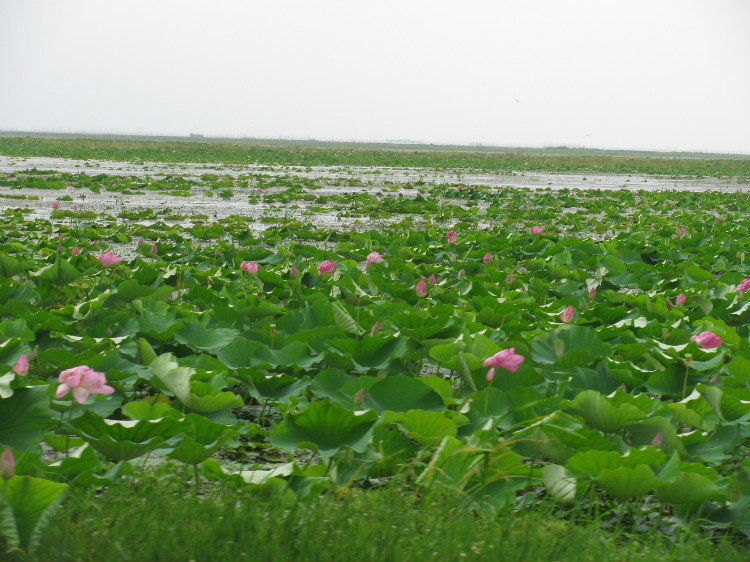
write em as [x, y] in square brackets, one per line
[199, 397]
[9, 266]
[201, 438]
[324, 427]
[25, 417]
[569, 346]
[263, 386]
[26, 506]
[560, 485]
[426, 428]
[599, 412]
[400, 393]
[59, 273]
[206, 338]
[689, 487]
[625, 482]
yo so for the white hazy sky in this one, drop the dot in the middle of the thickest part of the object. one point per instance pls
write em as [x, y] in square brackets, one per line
[643, 74]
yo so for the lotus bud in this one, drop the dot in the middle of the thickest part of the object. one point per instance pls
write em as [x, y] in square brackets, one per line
[375, 327]
[109, 332]
[567, 314]
[592, 293]
[670, 306]
[359, 397]
[657, 440]
[431, 280]
[509, 278]
[141, 241]
[7, 464]
[487, 257]
[55, 205]
[715, 378]
[421, 288]
[461, 273]
[154, 250]
[680, 300]
[75, 251]
[293, 272]
[688, 360]
[59, 248]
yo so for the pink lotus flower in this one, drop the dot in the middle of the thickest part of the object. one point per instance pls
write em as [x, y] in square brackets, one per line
[327, 267]
[108, 259]
[536, 230]
[250, 267]
[461, 273]
[83, 381]
[373, 257]
[154, 250]
[55, 205]
[487, 257]
[260, 190]
[7, 464]
[431, 280]
[592, 293]
[451, 236]
[744, 286]
[21, 368]
[375, 327]
[509, 278]
[657, 440]
[707, 340]
[567, 314]
[670, 306]
[141, 241]
[680, 300]
[506, 358]
[75, 251]
[293, 272]
[421, 288]
[681, 230]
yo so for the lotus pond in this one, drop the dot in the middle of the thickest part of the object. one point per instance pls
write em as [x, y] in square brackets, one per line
[508, 347]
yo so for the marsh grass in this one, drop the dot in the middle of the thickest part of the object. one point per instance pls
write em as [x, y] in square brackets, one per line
[157, 521]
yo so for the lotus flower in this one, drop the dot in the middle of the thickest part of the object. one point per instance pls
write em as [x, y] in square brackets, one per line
[567, 314]
[293, 272]
[75, 251]
[82, 380]
[670, 306]
[7, 464]
[487, 257]
[154, 250]
[55, 205]
[536, 230]
[707, 340]
[744, 286]
[327, 267]
[21, 368]
[421, 288]
[461, 273]
[509, 278]
[506, 358]
[141, 241]
[108, 259]
[373, 257]
[451, 236]
[375, 327]
[431, 280]
[592, 293]
[681, 230]
[250, 267]
[680, 300]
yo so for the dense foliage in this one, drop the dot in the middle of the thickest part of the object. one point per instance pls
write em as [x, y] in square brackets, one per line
[316, 359]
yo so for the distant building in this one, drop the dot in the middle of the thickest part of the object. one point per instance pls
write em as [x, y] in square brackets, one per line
[195, 136]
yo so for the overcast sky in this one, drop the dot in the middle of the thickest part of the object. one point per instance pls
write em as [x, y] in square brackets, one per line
[642, 74]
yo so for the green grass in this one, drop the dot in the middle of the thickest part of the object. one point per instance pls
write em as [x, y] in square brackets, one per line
[323, 154]
[155, 520]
